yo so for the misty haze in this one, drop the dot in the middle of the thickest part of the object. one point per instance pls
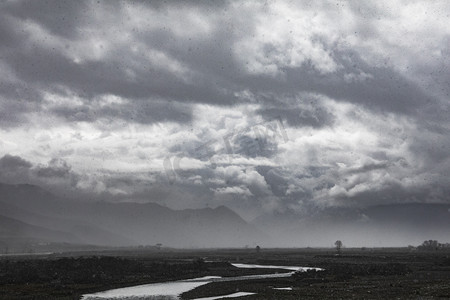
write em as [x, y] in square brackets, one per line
[248, 149]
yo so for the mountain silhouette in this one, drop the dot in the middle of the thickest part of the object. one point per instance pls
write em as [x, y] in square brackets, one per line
[122, 224]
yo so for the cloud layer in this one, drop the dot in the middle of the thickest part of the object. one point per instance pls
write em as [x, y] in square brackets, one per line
[259, 106]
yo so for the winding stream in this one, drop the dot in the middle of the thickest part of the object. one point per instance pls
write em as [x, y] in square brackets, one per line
[171, 289]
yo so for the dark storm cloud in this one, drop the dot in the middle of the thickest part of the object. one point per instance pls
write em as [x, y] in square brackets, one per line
[141, 63]
[212, 73]
[8, 119]
[8, 36]
[90, 79]
[47, 69]
[369, 167]
[93, 79]
[376, 87]
[59, 17]
[274, 178]
[57, 168]
[57, 175]
[296, 116]
[141, 111]
[14, 169]
[13, 163]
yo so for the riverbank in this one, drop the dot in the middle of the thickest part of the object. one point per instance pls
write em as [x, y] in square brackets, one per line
[175, 288]
[355, 274]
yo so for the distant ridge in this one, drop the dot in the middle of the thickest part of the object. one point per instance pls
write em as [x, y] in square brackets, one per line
[11, 229]
[127, 223]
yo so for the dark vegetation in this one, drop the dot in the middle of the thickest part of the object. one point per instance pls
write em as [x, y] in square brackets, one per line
[70, 277]
[99, 270]
[353, 274]
[433, 245]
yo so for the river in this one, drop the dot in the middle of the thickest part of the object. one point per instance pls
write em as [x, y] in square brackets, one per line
[172, 289]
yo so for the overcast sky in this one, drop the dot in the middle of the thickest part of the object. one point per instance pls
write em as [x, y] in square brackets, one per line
[260, 106]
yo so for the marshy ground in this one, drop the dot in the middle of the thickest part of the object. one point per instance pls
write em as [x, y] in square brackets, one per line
[396, 273]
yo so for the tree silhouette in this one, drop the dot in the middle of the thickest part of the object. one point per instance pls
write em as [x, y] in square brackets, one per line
[338, 245]
[430, 245]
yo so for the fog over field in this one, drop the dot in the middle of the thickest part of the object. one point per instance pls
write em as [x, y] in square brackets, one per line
[224, 123]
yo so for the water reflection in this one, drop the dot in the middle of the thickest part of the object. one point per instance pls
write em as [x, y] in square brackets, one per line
[171, 290]
[165, 290]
